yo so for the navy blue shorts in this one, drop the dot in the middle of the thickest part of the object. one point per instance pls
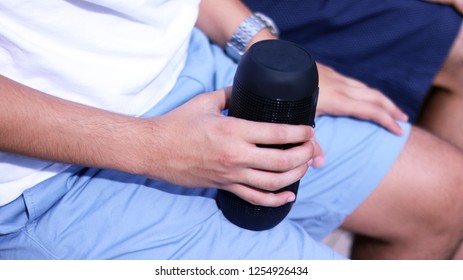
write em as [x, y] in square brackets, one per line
[396, 46]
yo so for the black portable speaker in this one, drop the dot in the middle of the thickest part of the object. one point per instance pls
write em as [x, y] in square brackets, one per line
[277, 82]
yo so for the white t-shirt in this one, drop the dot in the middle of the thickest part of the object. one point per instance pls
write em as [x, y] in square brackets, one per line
[122, 56]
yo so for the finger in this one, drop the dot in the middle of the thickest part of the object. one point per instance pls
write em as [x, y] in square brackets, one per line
[391, 107]
[272, 181]
[262, 198]
[273, 133]
[364, 110]
[378, 98]
[365, 92]
[277, 160]
[378, 115]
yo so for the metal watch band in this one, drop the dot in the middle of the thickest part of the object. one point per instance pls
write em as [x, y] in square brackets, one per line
[246, 31]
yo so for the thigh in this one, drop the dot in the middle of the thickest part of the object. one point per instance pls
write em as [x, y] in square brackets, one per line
[358, 155]
[423, 187]
[102, 214]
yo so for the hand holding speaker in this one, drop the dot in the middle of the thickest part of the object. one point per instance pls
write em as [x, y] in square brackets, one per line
[276, 82]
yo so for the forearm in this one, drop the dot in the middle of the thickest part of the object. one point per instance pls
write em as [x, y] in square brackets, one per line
[219, 19]
[42, 126]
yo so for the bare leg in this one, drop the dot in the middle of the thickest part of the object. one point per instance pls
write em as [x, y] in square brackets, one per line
[417, 210]
[459, 254]
[442, 113]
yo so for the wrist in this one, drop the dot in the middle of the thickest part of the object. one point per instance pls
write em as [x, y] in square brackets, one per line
[139, 146]
[255, 28]
[264, 34]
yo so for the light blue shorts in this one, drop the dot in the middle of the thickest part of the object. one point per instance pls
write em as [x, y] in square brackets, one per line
[88, 213]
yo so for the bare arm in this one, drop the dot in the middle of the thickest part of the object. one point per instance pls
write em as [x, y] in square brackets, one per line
[194, 145]
[219, 19]
[39, 125]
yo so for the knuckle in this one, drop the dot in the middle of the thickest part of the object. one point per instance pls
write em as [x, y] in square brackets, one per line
[280, 133]
[308, 150]
[275, 183]
[201, 98]
[228, 159]
[369, 112]
[225, 129]
[267, 183]
[307, 133]
[254, 200]
[303, 170]
[283, 164]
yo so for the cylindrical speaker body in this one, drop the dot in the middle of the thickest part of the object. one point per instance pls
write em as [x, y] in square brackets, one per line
[277, 82]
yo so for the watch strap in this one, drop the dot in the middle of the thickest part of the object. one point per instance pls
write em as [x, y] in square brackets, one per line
[245, 32]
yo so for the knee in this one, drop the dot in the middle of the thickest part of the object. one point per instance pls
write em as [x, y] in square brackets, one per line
[449, 76]
[455, 57]
[442, 212]
[435, 208]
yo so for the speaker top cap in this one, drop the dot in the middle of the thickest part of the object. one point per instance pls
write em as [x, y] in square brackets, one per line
[278, 70]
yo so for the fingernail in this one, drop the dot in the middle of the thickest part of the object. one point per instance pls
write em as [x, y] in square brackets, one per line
[401, 130]
[404, 117]
[291, 198]
[310, 162]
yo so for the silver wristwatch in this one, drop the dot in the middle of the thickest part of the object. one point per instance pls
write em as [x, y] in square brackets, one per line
[246, 31]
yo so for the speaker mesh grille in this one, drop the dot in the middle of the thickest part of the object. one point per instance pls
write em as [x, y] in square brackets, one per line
[253, 217]
[247, 105]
